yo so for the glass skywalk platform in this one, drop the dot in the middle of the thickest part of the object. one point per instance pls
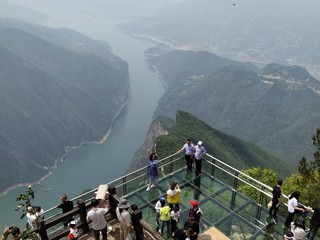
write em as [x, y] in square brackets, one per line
[227, 209]
[224, 207]
[230, 212]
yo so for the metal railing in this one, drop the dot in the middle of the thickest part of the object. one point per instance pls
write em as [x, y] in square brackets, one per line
[240, 176]
[129, 183]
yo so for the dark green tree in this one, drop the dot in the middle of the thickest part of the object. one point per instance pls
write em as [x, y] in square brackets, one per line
[309, 180]
[264, 175]
[24, 200]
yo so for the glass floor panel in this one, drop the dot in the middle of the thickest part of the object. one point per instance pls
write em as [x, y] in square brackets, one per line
[229, 211]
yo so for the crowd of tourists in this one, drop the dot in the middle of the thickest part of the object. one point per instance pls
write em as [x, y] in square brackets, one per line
[168, 211]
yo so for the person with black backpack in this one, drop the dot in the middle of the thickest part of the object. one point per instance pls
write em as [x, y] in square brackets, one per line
[195, 211]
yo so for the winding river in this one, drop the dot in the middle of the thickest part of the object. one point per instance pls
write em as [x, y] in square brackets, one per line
[91, 165]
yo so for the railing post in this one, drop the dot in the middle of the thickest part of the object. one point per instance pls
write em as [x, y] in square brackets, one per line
[113, 203]
[83, 215]
[234, 190]
[43, 231]
[213, 167]
[171, 165]
[136, 216]
[124, 186]
[260, 203]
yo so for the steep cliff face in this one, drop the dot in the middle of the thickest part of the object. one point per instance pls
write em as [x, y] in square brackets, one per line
[141, 156]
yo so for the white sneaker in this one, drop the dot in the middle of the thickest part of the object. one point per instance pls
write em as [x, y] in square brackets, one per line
[152, 186]
[148, 188]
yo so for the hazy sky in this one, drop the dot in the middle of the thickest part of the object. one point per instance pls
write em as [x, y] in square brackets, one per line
[38, 10]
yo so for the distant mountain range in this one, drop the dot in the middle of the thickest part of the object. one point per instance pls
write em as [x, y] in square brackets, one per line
[59, 88]
[255, 31]
[275, 107]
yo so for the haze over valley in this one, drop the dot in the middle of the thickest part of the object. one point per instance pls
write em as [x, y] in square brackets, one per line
[245, 72]
[257, 31]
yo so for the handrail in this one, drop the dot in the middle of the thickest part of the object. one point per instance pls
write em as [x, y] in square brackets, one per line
[170, 156]
[242, 180]
[236, 170]
[110, 183]
[249, 177]
[143, 171]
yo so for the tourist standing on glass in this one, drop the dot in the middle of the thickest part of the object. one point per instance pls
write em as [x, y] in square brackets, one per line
[195, 211]
[293, 208]
[199, 153]
[188, 149]
[173, 195]
[175, 217]
[158, 207]
[276, 194]
[164, 217]
[153, 171]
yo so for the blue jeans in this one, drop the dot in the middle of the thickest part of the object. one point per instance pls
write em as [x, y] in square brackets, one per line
[158, 220]
[165, 223]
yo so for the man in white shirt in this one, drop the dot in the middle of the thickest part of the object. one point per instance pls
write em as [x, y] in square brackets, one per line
[199, 153]
[97, 216]
[188, 148]
[31, 218]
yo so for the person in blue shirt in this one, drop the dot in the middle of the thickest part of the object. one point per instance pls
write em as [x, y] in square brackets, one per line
[153, 171]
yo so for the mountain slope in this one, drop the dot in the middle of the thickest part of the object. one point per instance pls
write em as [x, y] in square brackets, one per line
[167, 136]
[52, 97]
[275, 107]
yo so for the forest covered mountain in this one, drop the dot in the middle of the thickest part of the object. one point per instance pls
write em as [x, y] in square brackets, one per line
[59, 88]
[167, 135]
[275, 107]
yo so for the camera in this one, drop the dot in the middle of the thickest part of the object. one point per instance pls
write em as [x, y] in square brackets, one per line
[10, 228]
